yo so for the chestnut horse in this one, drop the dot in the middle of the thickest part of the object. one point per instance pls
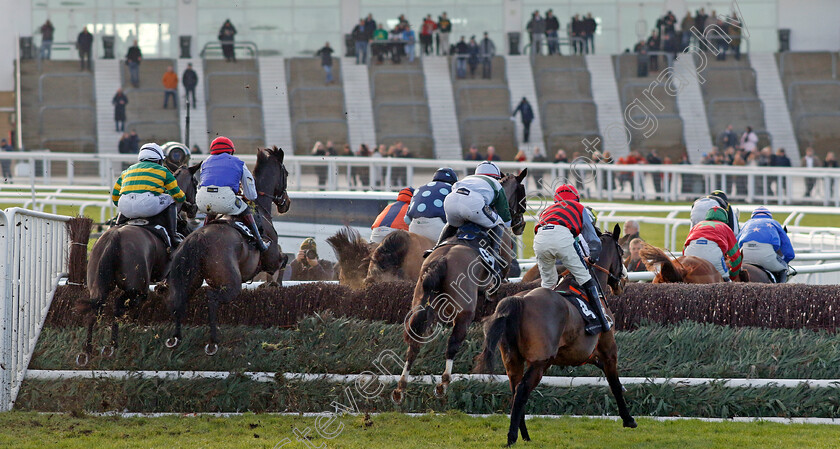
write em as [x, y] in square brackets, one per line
[221, 255]
[130, 258]
[688, 269]
[448, 286]
[543, 329]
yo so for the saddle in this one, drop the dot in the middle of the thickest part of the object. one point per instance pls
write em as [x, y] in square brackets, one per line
[241, 227]
[577, 299]
[774, 278]
[477, 238]
[153, 225]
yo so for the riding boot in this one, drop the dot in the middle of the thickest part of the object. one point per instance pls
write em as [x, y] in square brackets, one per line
[447, 232]
[781, 276]
[496, 234]
[249, 220]
[171, 216]
[591, 290]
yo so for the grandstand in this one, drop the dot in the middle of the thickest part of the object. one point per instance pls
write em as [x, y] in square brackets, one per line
[274, 94]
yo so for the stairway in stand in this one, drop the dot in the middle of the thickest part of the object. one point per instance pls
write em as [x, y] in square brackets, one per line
[605, 95]
[442, 108]
[776, 114]
[198, 111]
[361, 128]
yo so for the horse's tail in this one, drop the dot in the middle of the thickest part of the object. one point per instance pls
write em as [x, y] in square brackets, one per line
[390, 254]
[653, 256]
[432, 279]
[501, 327]
[101, 270]
[185, 268]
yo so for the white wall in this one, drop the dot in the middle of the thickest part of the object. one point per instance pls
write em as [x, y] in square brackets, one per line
[15, 17]
[814, 24]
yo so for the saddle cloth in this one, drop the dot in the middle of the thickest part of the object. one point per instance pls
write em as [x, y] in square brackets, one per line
[477, 238]
[241, 227]
[581, 304]
[151, 224]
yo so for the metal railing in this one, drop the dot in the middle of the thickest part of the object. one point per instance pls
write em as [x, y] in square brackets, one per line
[216, 46]
[565, 41]
[18, 108]
[784, 55]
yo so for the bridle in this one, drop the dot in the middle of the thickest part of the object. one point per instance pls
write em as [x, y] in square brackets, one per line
[518, 215]
[277, 197]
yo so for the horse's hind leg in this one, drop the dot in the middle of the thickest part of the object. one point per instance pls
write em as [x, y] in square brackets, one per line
[214, 297]
[459, 333]
[414, 335]
[607, 353]
[515, 368]
[530, 380]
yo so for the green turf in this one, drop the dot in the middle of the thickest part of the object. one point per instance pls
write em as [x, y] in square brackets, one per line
[451, 430]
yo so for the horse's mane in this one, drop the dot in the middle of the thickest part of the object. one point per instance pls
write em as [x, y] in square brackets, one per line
[265, 154]
[350, 247]
[669, 271]
[392, 251]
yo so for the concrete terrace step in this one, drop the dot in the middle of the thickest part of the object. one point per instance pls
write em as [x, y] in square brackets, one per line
[521, 84]
[275, 103]
[357, 100]
[442, 108]
[605, 96]
[776, 114]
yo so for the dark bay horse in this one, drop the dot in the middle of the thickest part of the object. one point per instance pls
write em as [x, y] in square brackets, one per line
[129, 258]
[688, 269]
[221, 255]
[543, 329]
[448, 286]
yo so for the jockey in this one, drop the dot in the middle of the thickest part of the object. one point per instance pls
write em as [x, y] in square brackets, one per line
[221, 175]
[480, 199]
[556, 238]
[712, 240]
[717, 198]
[765, 243]
[147, 189]
[392, 217]
[425, 215]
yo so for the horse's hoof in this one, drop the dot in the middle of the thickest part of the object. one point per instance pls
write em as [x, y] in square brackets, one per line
[211, 349]
[440, 390]
[82, 359]
[171, 342]
[397, 396]
[107, 351]
[631, 423]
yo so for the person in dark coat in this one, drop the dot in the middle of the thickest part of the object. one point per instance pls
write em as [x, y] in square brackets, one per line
[84, 43]
[462, 50]
[124, 147]
[119, 101]
[47, 30]
[577, 34]
[488, 50]
[189, 79]
[589, 27]
[132, 60]
[226, 34]
[552, 25]
[134, 142]
[474, 51]
[526, 114]
[326, 61]
[6, 164]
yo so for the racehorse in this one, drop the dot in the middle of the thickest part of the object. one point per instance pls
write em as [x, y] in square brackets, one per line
[448, 287]
[130, 258]
[533, 273]
[398, 258]
[688, 269]
[219, 254]
[754, 273]
[543, 329]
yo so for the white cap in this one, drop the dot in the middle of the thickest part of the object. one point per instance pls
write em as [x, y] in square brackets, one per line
[489, 169]
[150, 152]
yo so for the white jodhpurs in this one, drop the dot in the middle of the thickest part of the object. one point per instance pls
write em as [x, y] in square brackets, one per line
[463, 206]
[429, 227]
[708, 250]
[219, 200]
[143, 205]
[763, 255]
[552, 243]
[379, 234]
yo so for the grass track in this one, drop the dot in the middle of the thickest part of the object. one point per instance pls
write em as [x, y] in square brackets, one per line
[451, 430]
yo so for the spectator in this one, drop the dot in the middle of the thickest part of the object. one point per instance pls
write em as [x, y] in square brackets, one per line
[538, 174]
[381, 47]
[47, 30]
[132, 60]
[642, 59]
[410, 41]
[749, 140]
[426, 31]
[119, 101]
[370, 25]
[654, 43]
[810, 161]
[552, 25]
[124, 147]
[363, 173]
[474, 50]
[444, 26]
[631, 231]
[520, 156]
[728, 138]
[685, 29]
[326, 61]
[780, 159]
[307, 266]
[536, 29]
[6, 164]
[134, 142]
[491, 154]
[526, 114]
[190, 80]
[488, 50]
[361, 38]
[576, 34]
[462, 50]
[473, 154]
[830, 162]
[84, 43]
[195, 149]
[346, 151]
[634, 262]
[589, 28]
[735, 33]
[321, 171]
[170, 86]
[560, 157]
[653, 159]
[397, 47]
[226, 37]
[700, 19]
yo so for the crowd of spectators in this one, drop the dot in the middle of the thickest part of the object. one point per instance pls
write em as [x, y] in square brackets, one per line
[362, 177]
[580, 32]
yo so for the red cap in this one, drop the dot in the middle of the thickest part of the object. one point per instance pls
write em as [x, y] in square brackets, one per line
[221, 144]
[567, 192]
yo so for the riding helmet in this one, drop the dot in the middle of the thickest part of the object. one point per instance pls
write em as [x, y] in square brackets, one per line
[488, 168]
[720, 194]
[446, 175]
[566, 192]
[221, 144]
[761, 210]
[150, 152]
[177, 155]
